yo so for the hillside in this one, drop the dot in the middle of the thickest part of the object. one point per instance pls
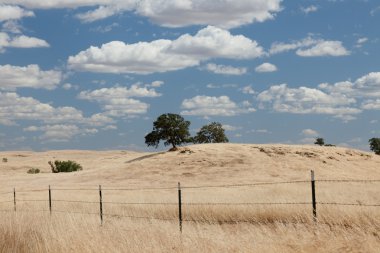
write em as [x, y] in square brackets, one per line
[192, 165]
[226, 217]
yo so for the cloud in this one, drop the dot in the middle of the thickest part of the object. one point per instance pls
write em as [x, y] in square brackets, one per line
[305, 100]
[221, 86]
[371, 104]
[31, 76]
[170, 13]
[21, 41]
[14, 107]
[118, 101]
[57, 123]
[311, 47]
[231, 128]
[362, 40]
[225, 14]
[309, 132]
[12, 26]
[27, 42]
[258, 131]
[60, 133]
[309, 9]
[12, 12]
[165, 55]
[214, 106]
[375, 10]
[247, 90]
[368, 85]
[307, 140]
[324, 48]
[280, 47]
[55, 4]
[266, 67]
[105, 29]
[342, 99]
[225, 70]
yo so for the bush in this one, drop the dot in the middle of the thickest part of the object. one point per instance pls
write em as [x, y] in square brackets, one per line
[64, 166]
[33, 171]
[374, 145]
[5, 160]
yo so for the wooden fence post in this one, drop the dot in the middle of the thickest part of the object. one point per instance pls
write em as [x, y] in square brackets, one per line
[14, 198]
[180, 207]
[50, 199]
[101, 205]
[313, 196]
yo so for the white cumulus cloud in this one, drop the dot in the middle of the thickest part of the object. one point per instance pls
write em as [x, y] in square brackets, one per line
[225, 70]
[170, 13]
[21, 41]
[31, 76]
[266, 67]
[311, 47]
[118, 101]
[56, 123]
[12, 12]
[223, 13]
[214, 106]
[165, 55]
[305, 100]
[309, 9]
[342, 99]
[309, 132]
[324, 48]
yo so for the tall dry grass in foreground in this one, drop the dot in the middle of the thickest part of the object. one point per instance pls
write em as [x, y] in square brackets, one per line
[231, 222]
[267, 230]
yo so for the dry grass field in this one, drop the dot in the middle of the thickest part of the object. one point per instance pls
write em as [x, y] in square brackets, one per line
[225, 218]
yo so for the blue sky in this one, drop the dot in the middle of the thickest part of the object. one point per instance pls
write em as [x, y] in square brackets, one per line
[95, 74]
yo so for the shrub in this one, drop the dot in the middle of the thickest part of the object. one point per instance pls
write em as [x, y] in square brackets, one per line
[33, 171]
[5, 160]
[64, 166]
[319, 141]
[374, 145]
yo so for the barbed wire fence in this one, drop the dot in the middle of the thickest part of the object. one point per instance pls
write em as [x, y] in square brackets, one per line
[179, 203]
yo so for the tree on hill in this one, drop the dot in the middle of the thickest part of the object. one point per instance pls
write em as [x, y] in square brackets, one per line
[211, 133]
[171, 128]
[374, 144]
[319, 141]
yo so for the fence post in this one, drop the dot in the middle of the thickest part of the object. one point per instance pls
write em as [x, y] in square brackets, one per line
[49, 199]
[14, 198]
[313, 196]
[100, 205]
[180, 207]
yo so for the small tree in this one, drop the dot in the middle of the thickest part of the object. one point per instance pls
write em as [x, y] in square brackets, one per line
[172, 128]
[319, 141]
[374, 144]
[211, 133]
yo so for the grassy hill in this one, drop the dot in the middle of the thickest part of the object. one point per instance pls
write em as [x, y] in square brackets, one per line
[226, 208]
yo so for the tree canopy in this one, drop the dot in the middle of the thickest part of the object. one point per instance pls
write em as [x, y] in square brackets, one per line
[319, 141]
[211, 133]
[171, 128]
[374, 144]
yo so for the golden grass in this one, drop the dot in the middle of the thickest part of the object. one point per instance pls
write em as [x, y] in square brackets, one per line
[206, 228]
[277, 232]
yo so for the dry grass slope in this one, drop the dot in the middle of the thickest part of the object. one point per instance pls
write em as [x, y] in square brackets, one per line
[207, 228]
